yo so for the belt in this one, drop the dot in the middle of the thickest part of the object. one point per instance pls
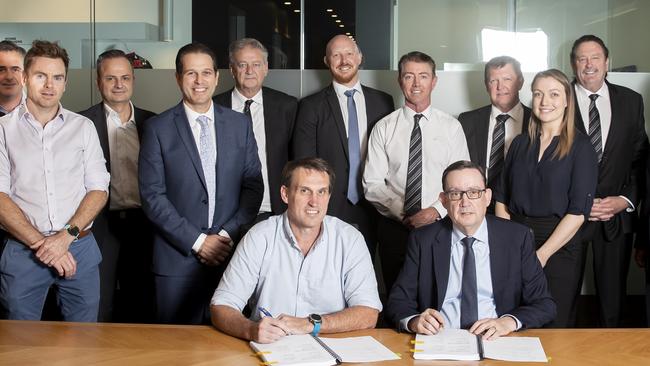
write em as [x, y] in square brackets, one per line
[81, 235]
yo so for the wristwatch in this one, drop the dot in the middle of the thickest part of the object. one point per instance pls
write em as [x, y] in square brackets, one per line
[316, 320]
[72, 230]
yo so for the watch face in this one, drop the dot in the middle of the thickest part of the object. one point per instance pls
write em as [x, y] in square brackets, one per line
[315, 318]
[73, 230]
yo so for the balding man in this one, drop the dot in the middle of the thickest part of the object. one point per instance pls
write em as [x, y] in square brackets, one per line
[334, 124]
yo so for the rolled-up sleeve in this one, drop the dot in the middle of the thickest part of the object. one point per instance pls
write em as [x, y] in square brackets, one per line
[5, 167]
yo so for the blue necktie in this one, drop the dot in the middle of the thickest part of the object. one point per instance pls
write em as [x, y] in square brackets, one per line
[354, 148]
[207, 153]
[468, 292]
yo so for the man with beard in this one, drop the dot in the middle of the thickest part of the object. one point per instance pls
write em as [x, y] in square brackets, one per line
[334, 124]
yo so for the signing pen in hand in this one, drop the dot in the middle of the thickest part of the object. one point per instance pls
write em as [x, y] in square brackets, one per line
[264, 311]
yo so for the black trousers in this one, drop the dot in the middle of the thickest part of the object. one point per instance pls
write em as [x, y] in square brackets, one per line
[563, 269]
[126, 283]
[392, 237]
[611, 265]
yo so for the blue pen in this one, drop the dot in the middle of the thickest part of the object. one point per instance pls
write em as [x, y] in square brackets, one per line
[264, 311]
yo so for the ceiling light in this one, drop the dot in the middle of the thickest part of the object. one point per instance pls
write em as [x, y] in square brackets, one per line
[287, 3]
[338, 20]
[329, 10]
[347, 33]
[334, 16]
[296, 10]
[341, 26]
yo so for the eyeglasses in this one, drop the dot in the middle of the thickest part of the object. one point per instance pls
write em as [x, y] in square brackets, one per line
[471, 194]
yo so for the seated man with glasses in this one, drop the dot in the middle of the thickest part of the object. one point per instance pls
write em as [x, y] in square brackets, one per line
[470, 271]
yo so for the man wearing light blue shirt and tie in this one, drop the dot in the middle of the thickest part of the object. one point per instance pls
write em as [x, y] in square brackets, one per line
[470, 271]
[312, 271]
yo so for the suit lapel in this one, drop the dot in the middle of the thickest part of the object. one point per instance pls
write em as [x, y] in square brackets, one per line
[185, 133]
[482, 133]
[271, 114]
[580, 124]
[441, 258]
[102, 132]
[335, 109]
[498, 256]
[617, 111]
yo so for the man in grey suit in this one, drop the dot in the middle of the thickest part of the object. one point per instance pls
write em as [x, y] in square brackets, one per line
[123, 232]
[334, 124]
[490, 129]
[271, 111]
[200, 181]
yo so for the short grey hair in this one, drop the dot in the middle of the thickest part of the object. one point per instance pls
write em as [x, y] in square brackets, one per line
[240, 44]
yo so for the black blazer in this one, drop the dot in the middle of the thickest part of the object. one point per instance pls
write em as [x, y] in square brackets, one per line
[518, 281]
[320, 131]
[476, 126]
[97, 114]
[279, 117]
[621, 168]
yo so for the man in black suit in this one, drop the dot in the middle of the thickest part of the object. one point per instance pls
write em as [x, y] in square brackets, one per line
[272, 112]
[468, 270]
[490, 129]
[123, 232]
[334, 124]
[11, 76]
[612, 116]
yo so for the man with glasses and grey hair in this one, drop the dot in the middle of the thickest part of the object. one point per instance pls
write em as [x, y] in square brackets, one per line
[469, 270]
[271, 111]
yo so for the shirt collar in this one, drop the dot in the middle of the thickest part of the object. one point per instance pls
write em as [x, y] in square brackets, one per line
[480, 235]
[292, 238]
[109, 111]
[516, 113]
[239, 99]
[23, 112]
[192, 115]
[340, 89]
[409, 113]
[602, 92]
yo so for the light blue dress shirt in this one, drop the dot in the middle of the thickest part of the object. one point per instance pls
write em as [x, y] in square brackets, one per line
[269, 268]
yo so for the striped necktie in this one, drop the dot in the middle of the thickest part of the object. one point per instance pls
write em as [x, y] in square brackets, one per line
[413, 191]
[498, 147]
[595, 134]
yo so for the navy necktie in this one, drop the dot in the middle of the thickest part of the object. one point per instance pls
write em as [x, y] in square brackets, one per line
[413, 191]
[354, 148]
[594, 127]
[247, 108]
[468, 292]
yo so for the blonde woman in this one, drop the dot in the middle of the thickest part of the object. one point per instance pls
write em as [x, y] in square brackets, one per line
[548, 183]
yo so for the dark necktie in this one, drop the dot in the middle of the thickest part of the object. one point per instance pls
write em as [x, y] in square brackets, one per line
[354, 148]
[247, 108]
[594, 127]
[468, 292]
[498, 147]
[413, 191]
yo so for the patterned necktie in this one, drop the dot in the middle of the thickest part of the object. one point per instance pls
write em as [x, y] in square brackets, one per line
[468, 292]
[354, 148]
[413, 191]
[247, 108]
[594, 127]
[498, 147]
[208, 162]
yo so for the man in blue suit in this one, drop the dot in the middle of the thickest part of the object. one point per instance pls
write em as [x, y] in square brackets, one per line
[200, 180]
[468, 270]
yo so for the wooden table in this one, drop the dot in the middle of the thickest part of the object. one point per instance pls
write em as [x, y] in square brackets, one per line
[59, 343]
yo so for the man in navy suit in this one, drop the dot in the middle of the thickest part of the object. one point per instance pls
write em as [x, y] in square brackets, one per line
[468, 270]
[200, 180]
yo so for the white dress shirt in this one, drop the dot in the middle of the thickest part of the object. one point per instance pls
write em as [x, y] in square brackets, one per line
[362, 117]
[269, 270]
[384, 177]
[47, 171]
[513, 125]
[257, 114]
[124, 146]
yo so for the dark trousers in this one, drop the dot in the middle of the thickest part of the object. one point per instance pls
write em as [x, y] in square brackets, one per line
[125, 240]
[563, 269]
[393, 238]
[611, 264]
[186, 299]
[362, 216]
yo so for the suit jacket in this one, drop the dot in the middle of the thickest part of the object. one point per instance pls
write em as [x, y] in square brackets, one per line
[173, 188]
[476, 125]
[279, 117]
[320, 131]
[621, 168]
[518, 281]
[97, 114]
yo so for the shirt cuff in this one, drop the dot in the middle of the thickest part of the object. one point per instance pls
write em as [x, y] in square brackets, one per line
[404, 324]
[630, 207]
[198, 243]
[225, 234]
[516, 320]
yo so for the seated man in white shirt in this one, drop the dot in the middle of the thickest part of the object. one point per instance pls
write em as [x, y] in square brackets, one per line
[300, 272]
[469, 270]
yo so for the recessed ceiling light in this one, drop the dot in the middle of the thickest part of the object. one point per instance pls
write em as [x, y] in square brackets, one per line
[329, 10]
[287, 3]
[347, 33]
[296, 10]
[334, 16]
[338, 20]
[341, 26]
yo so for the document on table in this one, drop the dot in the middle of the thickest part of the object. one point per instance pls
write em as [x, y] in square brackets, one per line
[306, 350]
[459, 344]
[359, 349]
